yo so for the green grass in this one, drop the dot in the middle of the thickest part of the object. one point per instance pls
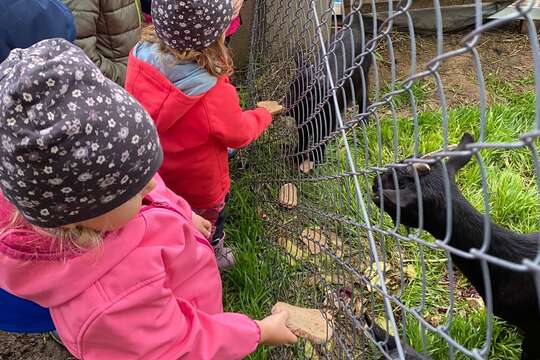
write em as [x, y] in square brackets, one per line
[243, 94]
[243, 286]
[252, 286]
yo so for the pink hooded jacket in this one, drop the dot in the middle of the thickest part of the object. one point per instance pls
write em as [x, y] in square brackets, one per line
[152, 291]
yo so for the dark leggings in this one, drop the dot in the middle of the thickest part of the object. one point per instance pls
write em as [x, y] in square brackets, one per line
[219, 231]
[146, 6]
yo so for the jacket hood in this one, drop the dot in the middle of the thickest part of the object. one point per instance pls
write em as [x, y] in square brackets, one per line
[163, 100]
[33, 267]
[189, 77]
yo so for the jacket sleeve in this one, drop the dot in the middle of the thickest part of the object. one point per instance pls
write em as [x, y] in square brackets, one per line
[87, 15]
[150, 323]
[229, 124]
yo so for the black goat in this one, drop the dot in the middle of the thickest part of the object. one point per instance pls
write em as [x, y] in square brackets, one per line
[381, 335]
[309, 98]
[515, 297]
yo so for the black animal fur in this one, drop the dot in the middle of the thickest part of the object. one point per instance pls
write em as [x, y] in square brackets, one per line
[309, 98]
[515, 296]
[383, 336]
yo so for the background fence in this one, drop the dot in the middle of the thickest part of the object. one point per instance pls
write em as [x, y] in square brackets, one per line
[367, 84]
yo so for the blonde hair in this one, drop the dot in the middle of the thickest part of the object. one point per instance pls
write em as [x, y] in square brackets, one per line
[216, 59]
[63, 239]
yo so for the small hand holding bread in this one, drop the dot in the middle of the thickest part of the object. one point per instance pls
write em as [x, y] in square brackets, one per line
[273, 107]
[307, 323]
[274, 330]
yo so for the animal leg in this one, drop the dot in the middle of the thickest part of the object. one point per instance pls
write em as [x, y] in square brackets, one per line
[530, 349]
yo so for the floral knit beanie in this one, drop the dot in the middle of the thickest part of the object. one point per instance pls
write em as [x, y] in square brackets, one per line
[73, 144]
[191, 24]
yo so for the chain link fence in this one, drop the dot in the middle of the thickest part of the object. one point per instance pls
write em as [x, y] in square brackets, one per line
[404, 260]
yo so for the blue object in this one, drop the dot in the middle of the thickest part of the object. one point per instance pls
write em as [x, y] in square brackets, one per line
[22, 24]
[26, 22]
[19, 315]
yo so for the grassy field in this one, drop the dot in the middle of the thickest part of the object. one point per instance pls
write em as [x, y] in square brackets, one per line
[261, 275]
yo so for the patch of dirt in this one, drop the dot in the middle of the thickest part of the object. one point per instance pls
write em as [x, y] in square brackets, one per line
[31, 347]
[504, 54]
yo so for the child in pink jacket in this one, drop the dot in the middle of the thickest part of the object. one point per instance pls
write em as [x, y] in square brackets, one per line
[89, 230]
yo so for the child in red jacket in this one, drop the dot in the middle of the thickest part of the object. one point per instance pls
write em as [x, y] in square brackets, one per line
[179, 73]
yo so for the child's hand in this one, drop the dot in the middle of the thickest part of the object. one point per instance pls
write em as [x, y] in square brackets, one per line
[273, 107]
[274, 330]
[203, 225]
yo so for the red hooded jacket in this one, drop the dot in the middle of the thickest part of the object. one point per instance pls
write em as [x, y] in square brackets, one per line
[195, 131]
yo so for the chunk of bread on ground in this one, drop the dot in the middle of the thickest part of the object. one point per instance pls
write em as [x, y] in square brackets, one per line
[288, 196]
[307, 323]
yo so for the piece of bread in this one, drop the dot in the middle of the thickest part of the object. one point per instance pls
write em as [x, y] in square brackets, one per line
[288, 196]
[306, 167]
[307, 323]
[273, 107]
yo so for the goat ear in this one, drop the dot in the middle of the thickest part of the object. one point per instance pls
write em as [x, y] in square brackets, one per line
[466, 139]
[421, 169]
[455, 163]
[406, 198]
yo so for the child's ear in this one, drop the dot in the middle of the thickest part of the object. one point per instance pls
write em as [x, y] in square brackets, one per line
[406, 197]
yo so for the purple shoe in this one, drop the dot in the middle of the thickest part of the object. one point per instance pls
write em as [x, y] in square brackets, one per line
[224, 255]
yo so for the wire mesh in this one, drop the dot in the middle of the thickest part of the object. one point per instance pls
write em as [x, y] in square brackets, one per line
[401, 273]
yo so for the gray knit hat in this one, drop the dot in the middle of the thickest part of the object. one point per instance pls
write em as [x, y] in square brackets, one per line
[74, 145]
[191, 24]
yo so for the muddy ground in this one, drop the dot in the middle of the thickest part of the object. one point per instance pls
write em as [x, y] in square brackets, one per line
[30, 347]
[505, 54]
